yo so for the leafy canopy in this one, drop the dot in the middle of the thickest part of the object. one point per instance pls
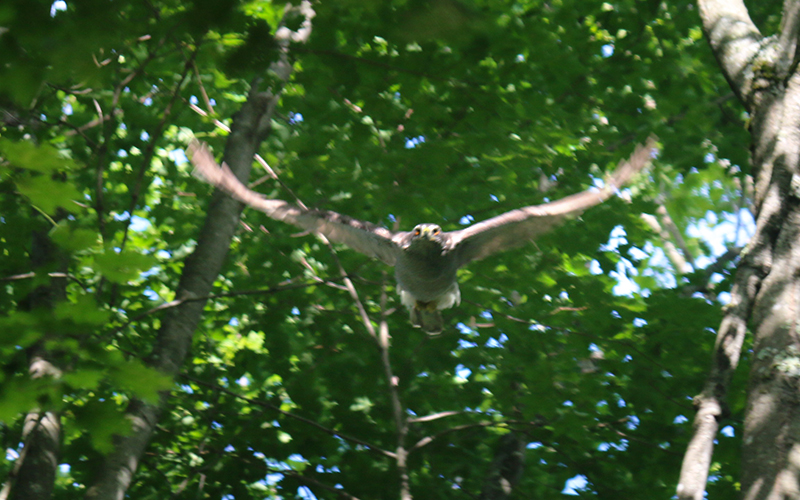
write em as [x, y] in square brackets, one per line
[588, 345]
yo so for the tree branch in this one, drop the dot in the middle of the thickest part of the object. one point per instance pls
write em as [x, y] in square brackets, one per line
[178, 302]
[149, 152]
[710, 404]
[429, 439]
[675, 257]
[788, 38]
[435, 416]
[251, 124]
[285, 413]
[735, 42]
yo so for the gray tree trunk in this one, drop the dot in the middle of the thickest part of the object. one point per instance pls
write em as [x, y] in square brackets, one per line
[34, 472]
[763, 74]
[506, 469]
[250, 126]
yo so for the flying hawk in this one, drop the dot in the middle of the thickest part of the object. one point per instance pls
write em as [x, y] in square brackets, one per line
[426, 258]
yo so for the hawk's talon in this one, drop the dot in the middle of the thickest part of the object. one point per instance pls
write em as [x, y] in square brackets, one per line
[426, 306]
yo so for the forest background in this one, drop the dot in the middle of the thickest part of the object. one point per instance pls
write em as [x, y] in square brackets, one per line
[158, 342]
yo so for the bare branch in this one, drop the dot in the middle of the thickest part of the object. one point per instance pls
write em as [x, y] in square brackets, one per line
[429, 439]
[147, 156]
[203, 93]
[435, 416]
[287, 414]
[674, 256]
[710, 403]
[178, 302]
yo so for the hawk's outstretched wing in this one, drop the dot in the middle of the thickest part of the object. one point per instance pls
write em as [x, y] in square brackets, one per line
[364, 237]
[517, 227]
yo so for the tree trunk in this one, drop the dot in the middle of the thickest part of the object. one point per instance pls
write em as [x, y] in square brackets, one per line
[762, 73]
[250, 126]
[34, 473]
[202, 268]
[506, 469]
[771, 450]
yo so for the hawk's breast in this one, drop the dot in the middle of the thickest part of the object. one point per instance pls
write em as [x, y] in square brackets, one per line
[426, 275]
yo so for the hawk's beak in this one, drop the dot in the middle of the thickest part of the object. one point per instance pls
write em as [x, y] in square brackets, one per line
[428, 233]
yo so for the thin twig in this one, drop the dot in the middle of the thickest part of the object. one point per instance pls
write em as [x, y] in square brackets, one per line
[285, 413]
[149, 152]
[203, 93]
[434, 416]
[314, 482]
[175, 303]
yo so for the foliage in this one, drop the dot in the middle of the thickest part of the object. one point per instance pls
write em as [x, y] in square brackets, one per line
[397, 112]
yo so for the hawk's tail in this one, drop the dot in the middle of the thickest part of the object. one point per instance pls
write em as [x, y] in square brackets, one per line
[430, 321]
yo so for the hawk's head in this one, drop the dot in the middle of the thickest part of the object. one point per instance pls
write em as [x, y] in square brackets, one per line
[426, 238]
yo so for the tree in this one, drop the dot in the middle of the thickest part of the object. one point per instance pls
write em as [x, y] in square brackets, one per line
[762, 72]
[200, 351]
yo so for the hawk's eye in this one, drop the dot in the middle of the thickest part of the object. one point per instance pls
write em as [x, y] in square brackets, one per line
[416, 232]
[436, 230]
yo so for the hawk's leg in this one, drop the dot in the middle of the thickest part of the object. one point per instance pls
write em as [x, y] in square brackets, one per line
[426, 315]
[426, 306]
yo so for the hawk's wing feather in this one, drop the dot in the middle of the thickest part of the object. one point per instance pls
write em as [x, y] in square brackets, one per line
[517, 227]
[365, 237]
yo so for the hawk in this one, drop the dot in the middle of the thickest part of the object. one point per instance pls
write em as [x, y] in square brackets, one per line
[426, 258]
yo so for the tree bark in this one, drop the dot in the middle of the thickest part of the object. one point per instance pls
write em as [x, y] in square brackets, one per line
[506, 469]
[771, 450]
[762, 73]
[250, 126]
[34, 473]
[202, 267]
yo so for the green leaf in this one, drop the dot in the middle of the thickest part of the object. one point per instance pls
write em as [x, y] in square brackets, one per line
[84, 378]
[74, 239]
[84, 311]
[142, 380]
[48, 194]
[102, 420]
[124, 266]
[21, 329]
[43, 158]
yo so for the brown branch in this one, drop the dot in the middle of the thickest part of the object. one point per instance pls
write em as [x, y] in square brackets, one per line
[105, 140]
[715, 267]
[429, 439]
[382, 338]
[203, 93]
[24, 276]
[397, 408]
[710, 404]
[434, 416]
